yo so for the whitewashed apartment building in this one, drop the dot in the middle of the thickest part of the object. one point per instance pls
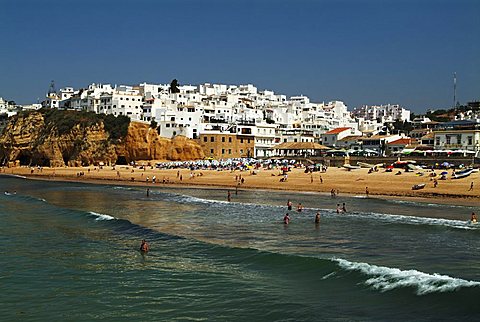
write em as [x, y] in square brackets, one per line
[272, 118]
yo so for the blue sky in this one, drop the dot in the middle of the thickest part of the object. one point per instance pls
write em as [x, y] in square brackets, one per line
[358, 51]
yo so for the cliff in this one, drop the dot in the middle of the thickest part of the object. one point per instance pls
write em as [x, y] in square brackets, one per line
[59, 138]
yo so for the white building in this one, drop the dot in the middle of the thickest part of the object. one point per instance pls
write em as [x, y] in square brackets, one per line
[382, 113]
[461, 135]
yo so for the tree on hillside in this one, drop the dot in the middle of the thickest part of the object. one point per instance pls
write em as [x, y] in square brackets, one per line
[174, 87]
[399, 127]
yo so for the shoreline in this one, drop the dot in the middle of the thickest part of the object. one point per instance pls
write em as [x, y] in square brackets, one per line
[346, 183]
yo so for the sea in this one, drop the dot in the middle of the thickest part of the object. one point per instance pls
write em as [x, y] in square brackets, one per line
[70, 252]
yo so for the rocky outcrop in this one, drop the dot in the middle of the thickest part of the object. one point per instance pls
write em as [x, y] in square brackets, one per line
[143, 143]
[29, 140]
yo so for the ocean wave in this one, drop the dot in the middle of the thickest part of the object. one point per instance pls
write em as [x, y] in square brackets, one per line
[14, 175]
[215, 202]
[413, 220]
[423, 203]
[122, 188]
[387, 279]
[101, 216]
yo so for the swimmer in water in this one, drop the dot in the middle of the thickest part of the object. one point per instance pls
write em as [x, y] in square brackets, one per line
[473, 218]
[144, 247]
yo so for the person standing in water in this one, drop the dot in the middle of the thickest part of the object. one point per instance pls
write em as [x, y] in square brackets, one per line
[300, 207]
[229, 196]
[289, 205]
[344, 209]
[473, 218]
[286, 219]
[317, 217]
[144, 247]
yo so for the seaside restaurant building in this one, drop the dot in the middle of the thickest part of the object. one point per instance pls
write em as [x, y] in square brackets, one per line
[458, 136]
[299, 149]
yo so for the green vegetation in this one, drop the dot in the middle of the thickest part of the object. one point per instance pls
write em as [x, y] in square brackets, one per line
[64, 121]
[174, 87]
[449, 115]
[116, 126]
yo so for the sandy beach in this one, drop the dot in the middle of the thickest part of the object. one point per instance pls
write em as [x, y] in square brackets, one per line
[380, 184]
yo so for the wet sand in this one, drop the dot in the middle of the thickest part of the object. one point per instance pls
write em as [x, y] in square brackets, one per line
[380, 184]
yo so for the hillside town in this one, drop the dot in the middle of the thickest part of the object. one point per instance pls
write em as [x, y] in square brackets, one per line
[232, 121]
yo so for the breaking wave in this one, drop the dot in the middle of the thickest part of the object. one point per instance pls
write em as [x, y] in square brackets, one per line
[386, 279]
[101, 216]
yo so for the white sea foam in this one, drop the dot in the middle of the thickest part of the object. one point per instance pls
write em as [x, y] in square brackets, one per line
[16, 176]
[101, 216]
[188, 199]
[390, 218]
[386, 278]
[121, 188]
[413, 220]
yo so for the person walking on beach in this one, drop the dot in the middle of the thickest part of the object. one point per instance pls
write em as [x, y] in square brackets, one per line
[471, 186]
[366, 191]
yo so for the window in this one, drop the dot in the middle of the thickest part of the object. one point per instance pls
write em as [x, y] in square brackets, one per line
[167, 125]
[447, 139]
[241, 151]
[229, 140]
[459, 138]
[223, 151]
[437, 140]
[470, 140]
[172, 119]
[223, 139]
[241, 140]
[229, 151]
[248, 141]
[211, 151]
[212, 139]
[205, 139]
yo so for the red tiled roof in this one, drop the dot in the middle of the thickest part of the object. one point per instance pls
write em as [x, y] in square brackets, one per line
[337, 130]
[401, 141]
